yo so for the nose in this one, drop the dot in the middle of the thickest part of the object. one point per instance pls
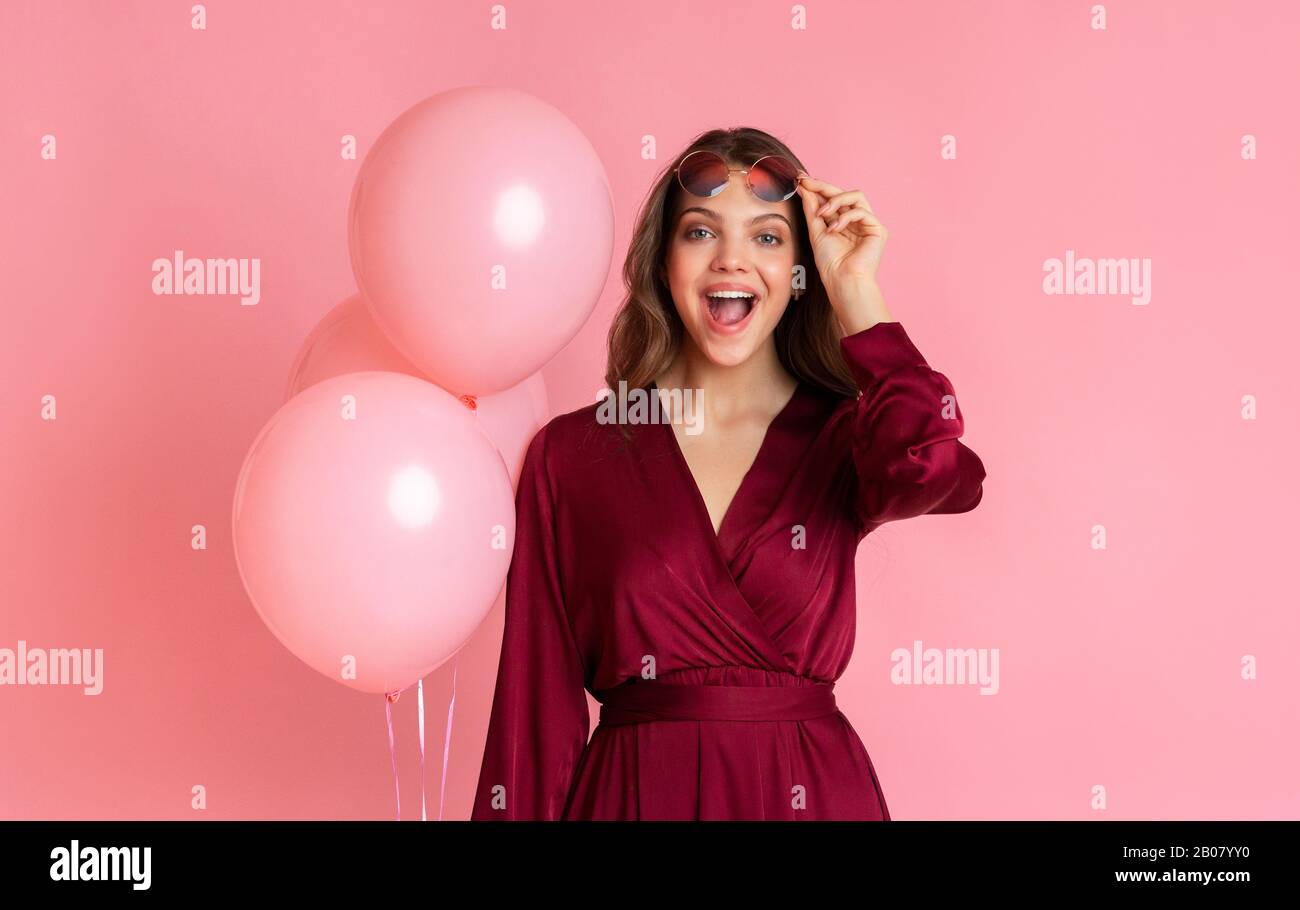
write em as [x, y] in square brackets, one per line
[731, 256]
[732, 253]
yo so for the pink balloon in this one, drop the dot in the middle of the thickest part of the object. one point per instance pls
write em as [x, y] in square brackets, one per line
[373, 526]
[512, 418]
[481, 228]
[347, 340]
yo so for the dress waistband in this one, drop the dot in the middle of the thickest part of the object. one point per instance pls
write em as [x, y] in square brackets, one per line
[641, 701]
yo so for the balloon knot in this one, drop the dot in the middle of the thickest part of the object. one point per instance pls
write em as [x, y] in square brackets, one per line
[393, 696]
[469, 402]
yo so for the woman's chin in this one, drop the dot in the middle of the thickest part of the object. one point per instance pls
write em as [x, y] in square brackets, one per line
[726, 351]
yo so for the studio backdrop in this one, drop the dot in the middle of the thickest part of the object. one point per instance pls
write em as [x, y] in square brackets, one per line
[227, 223]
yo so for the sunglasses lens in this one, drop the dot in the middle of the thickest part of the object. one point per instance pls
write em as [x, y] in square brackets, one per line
[703, 173]
[774, 178]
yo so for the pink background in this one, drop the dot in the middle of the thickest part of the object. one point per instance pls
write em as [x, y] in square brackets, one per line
[1119, 668]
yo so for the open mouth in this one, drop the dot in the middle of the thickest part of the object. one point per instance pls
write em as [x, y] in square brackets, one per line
[729, 310]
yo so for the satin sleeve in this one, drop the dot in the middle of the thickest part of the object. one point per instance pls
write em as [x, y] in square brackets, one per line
[539, 721]
[904, 429]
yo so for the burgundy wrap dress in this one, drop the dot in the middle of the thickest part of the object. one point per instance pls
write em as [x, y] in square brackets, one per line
[713, 656]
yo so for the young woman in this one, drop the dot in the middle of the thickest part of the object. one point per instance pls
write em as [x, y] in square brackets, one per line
[699, 582]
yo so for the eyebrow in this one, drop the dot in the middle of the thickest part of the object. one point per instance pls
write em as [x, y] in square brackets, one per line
[755, 220]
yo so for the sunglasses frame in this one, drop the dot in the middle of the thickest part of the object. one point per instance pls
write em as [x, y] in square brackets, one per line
[677, 171]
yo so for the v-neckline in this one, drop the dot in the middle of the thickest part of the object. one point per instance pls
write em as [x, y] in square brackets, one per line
[701, 506]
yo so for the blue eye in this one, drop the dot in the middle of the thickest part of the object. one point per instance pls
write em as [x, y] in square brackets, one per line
[774, 241]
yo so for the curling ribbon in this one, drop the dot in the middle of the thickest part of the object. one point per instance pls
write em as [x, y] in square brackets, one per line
[392, 697]
[446, 740]
[392, 749]
[419, 700]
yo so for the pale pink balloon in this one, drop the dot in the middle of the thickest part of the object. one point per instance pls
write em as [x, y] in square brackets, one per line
[347, 340]
[512, 418]
[373, 526]
[480, 229]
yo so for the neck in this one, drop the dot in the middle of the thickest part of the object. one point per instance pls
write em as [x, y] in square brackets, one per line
[761, 382]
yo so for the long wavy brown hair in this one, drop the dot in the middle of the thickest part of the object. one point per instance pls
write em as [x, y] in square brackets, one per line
[646, 331]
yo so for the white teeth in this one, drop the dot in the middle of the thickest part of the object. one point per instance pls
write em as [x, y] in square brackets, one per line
[730, 294]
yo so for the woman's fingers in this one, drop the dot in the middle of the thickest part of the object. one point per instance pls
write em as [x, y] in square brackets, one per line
[854, 214]
[826, 189]
[842, 200]
[807, 193]
[829, 208]
[811, 200]
[836, 197]
[810, 186]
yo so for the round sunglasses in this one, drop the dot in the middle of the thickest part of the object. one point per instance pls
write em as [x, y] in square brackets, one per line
[772, 178]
